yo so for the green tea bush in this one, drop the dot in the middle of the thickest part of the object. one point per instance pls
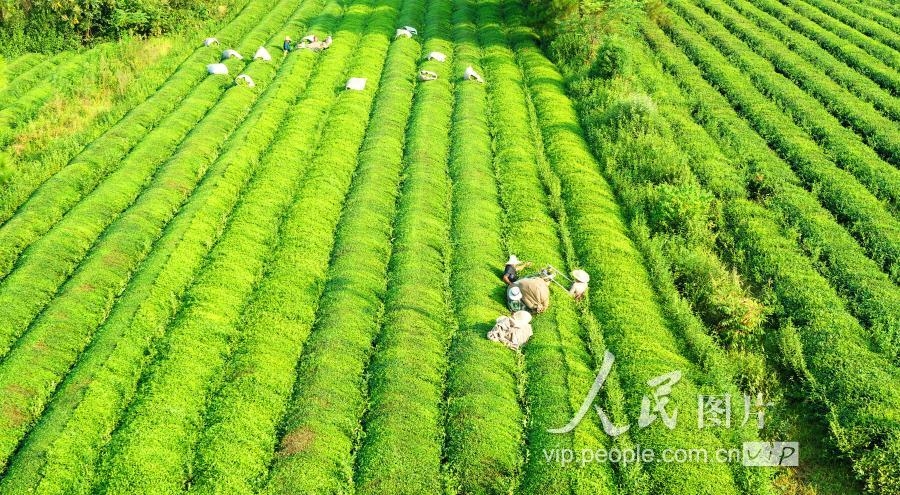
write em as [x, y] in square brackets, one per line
[847, 34]
[187, 90]
[886, 35]
[85, 292]
[483, 449]
[822, 59]
[858, 209]
[835, 42]
[681, 209]
[717, 295]
[612, 58]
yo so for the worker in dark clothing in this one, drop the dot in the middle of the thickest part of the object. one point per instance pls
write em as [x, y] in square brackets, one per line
[511, 272]
[287, 44]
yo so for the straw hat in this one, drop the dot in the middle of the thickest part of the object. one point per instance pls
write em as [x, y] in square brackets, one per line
[287, 38]
[515, 293]
[512, 260]
[581, 276]
[522, 317]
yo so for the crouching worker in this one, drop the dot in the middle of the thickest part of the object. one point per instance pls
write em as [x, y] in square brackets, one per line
[513, 331]
[580, 286]
[514, 298]
[511, 271]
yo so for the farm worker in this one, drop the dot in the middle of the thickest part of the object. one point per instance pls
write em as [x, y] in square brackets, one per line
[514, 298]
[511, 271]
[287, 44]
[580, 286]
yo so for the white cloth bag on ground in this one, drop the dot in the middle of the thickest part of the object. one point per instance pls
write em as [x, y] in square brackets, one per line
[440, 57]
[356, 83]
[210, 42]
[219, 69]
[262, 54]
[245, 79]
[403, 33]
[513, 331]
[521, 328]
[471, 75]
[229, 53]
[317, 46]
[411, 29]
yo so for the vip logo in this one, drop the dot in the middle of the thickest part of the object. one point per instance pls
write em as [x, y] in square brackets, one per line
[771, 454]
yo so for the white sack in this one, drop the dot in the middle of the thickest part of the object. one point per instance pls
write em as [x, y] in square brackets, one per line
[440, 57]
[210, 42]
[471, 75]
[229, 53]
[262, 54]
[245, 78]
[356, 83]
[219, 69]
[513, 333]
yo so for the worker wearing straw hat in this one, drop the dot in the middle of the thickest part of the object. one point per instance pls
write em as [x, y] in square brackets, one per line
[514, 298]
[580, 286]
[511, 271]
[287, 44]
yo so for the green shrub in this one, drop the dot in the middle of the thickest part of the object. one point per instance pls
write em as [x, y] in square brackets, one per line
[50, 26]
[634, 112]
[613, 58]
[871, 295]
[717, 294]
[751, 372]
[862, 214]
[571, 50]
[625, 285]
[819, 106]
[863, 24]
[681, 209]
[558, 365]
[187, 90]
[6, 168]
